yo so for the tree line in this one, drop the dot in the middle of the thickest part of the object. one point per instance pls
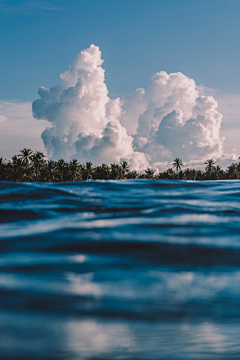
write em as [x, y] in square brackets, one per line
[29, 166]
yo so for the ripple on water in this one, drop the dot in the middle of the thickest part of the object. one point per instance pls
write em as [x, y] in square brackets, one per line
[134, 269]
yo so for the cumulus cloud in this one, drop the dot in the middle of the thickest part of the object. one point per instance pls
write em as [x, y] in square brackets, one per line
[85, 121]
[147, 127]
[176, 120]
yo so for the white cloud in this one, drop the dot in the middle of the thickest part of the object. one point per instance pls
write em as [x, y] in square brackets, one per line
[148, 127]
[177, 121]
[85, 121]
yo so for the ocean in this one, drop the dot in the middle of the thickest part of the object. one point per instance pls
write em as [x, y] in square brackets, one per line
[134, 269]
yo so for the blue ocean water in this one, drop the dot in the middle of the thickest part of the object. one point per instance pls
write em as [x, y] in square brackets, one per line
[105, 270]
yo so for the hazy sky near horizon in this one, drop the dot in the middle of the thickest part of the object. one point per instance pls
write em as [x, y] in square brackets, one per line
[137, 38]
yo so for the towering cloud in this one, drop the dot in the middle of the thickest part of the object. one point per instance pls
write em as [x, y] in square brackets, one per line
[146, 128]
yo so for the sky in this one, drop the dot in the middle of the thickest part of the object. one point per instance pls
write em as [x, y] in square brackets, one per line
[137, 39]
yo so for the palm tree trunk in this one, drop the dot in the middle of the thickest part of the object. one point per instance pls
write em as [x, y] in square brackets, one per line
[37, 177]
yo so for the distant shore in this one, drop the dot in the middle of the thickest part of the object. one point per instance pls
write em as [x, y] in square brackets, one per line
[29, 166]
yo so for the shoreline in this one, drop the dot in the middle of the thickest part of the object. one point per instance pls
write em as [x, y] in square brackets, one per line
[32, 167]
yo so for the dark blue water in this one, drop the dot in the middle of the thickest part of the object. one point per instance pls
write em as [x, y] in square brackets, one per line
[133, 269]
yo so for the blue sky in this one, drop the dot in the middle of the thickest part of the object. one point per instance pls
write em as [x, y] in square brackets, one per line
[138, 38]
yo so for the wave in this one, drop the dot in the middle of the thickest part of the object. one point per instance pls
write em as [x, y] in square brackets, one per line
[136, 269]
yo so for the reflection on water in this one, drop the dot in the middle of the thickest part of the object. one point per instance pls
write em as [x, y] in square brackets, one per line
[39, 337]
[135, 270]
[155, 341]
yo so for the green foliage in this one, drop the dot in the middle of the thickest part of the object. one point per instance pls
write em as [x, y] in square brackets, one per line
[177, 163]
[149, 173]
[30, 166]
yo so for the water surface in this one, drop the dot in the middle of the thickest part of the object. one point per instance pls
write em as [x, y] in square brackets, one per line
[134, 269]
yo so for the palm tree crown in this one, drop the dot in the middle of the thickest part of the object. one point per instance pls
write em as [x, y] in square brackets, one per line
[37, 159]
[209, 168]
[209, 163]
[25, 155]
[177, 163]
[149, 173]
[29, 166]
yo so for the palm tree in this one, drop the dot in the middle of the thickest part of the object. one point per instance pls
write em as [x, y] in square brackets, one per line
[194, 174]
[238, 167]
[177, 163]
[132, 174]
[199, 175]
[89, 168]
[61, 167]
[149, 173]
[38, 160]
[74, 169]
[102, 172]
[25, 155]
[116, 171]
[209, 168]
[187, 173]
[51, 170]
[169, 174]
[105, 171]
[2, 166]
[125, 168]
[17, 169]
[220, 174]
